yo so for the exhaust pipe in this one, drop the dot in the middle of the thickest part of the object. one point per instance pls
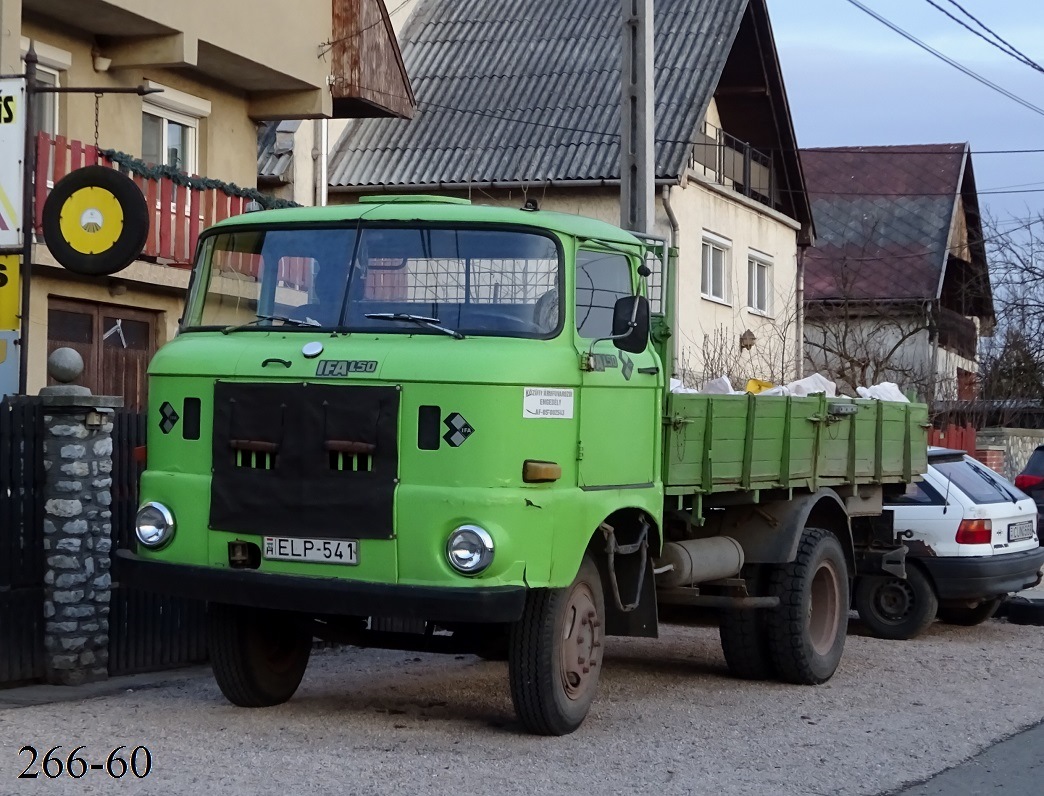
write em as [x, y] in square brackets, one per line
[698, 560]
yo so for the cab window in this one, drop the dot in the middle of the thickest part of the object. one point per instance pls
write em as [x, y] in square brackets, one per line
[601, 279]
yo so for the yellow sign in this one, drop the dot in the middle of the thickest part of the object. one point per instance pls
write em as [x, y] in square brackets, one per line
[9, 293]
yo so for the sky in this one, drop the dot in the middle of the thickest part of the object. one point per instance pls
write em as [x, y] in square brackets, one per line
[852, 81]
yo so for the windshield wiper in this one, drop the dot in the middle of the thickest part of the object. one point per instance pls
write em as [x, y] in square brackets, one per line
[283, 318]
[431, 323]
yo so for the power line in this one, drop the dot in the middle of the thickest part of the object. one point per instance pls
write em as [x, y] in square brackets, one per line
[928, 48]
[1014, 50]
[1000, 44]
[326, 46]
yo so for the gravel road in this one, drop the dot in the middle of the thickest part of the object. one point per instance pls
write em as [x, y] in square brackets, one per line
[668, 718]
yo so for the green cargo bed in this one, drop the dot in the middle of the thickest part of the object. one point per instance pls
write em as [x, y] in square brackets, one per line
[727, 443]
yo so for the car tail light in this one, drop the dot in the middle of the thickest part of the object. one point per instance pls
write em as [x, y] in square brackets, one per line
[1025, 482]
[974, 532]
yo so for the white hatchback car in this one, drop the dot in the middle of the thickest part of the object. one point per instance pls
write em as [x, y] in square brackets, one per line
[971, 539]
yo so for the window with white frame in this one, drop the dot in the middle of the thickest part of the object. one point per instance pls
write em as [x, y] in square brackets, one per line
[759, 284]
[170, 128]
[51, 63]
[715, 283]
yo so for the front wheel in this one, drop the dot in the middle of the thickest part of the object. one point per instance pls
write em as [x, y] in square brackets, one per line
[555, 654]
[806, 633]
[896, 608]
[258, 656]
[962, 614]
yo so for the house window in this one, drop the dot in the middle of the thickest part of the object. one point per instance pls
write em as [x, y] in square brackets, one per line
[759, 284]
[168, 139]
[51, 63]
[170, 123]
[45, 106]
[601, 279]
[715, 268]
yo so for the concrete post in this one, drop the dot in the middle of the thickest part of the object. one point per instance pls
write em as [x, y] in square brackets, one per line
[77, 526]
[637, 122]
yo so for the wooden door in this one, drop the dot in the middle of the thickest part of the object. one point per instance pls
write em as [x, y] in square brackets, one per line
[115, 342]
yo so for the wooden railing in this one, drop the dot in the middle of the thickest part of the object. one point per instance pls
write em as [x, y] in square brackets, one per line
[178, 214]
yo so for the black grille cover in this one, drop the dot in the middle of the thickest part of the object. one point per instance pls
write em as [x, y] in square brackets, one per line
[300, 494]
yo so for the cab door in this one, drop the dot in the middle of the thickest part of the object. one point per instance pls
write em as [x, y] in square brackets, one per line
[620, 397]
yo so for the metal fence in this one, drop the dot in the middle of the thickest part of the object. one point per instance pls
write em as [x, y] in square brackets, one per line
[21, 541]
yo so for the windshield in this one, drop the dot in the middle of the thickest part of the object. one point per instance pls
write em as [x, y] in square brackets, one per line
[474, 282]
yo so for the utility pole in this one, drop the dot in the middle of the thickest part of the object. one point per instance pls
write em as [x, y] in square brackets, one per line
[637, 121]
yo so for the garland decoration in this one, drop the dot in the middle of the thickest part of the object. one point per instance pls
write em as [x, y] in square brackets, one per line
[149, 171]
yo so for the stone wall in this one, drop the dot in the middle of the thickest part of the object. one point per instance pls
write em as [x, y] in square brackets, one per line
[77, 528]
[1016, 443]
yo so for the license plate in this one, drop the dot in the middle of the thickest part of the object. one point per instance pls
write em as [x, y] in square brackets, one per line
[324, 551]
[1020, 530]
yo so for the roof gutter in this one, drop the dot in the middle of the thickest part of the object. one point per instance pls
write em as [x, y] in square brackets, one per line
[494, 185]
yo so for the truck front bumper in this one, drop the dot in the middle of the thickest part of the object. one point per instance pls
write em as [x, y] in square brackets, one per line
[327, 596]
[984, 576]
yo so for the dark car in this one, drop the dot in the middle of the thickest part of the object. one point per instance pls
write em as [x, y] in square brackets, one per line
[1031, 480]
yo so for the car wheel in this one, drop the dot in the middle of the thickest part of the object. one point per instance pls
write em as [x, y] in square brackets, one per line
[894, 608]
[258, 656]
[555, 654]
[806, 633]
[969, 616]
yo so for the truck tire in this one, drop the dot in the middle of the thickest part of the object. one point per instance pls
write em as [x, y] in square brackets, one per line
[960, 614]
[258, 656]
[555, 654]
[894, 608]
[744, 640]
[807, 631]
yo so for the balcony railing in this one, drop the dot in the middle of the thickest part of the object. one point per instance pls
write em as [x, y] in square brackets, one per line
[958, 334]
[731, 162]
[178, 214]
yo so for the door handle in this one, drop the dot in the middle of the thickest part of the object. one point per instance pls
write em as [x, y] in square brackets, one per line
[649, 371]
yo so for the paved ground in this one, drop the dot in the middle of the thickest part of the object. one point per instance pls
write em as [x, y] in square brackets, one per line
[668, 718]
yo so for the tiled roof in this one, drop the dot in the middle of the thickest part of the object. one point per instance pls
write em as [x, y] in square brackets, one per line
[529, 90]
[275, 150]
[883, 217]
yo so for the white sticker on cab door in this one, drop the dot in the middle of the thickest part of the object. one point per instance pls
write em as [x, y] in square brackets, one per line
[547, 402]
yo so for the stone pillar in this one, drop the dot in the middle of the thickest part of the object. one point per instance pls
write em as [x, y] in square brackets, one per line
[77, 532]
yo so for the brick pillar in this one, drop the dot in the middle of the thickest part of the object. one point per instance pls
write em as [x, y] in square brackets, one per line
[77, 528]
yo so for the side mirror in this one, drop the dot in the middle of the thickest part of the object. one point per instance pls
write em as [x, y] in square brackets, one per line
[631, 324]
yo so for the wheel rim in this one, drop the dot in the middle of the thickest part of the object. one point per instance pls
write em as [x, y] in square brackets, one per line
[581, 643]
[824, 607]
[893, 601]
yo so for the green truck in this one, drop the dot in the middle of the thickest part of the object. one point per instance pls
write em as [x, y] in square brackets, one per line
[418, 423]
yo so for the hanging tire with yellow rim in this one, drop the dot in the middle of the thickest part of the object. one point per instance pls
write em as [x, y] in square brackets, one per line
[95, 221]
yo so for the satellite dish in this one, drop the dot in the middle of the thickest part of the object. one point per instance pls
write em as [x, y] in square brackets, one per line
[95, 221]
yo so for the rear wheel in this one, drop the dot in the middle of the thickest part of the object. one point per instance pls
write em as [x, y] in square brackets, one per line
[969, 616]
[555, 654]
[258, 656]
[896, 608]
[806, 633]
[744, 640]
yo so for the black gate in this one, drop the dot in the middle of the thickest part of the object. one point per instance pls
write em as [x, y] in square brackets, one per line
[21, 540]
[147, 631]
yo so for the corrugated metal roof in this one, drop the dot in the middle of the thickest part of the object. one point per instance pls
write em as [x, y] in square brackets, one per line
[530, 91]
[883, 217]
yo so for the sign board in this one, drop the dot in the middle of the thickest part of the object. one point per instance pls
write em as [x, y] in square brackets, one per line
[9, 293]
[12, 153]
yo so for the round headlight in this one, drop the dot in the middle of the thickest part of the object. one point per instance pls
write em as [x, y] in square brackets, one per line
[154, 525]
[469, 549]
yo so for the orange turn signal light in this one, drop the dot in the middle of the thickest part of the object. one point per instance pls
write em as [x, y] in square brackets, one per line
[537, 472]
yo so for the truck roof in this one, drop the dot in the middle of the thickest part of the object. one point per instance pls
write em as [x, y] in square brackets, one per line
[438, 209]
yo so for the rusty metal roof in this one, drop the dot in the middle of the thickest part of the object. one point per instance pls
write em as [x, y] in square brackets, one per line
[883, 217]
[530, 91]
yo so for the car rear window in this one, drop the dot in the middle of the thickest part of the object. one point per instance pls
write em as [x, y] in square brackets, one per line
[978, 483]
[1035, 465]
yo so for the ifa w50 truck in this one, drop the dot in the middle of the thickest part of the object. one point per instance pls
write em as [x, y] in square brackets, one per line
[417, 423]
